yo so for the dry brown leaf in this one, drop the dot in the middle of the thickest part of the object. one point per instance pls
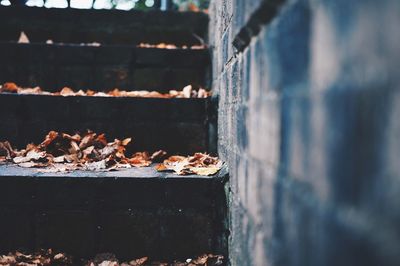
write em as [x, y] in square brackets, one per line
[199, 163]
[96, 166]
[210, 170]
[126, 141]
[50, 137]
[140, 159]
[158, 156]
[101, 139]
[27, 164]
[34, 155]
[108, 263]
[9, 87]
[75, 137]
[5, 260]
[6, 150]
[161, 167]
[87, 140]
[67, 92]
[23, 38]
[170, 46]
[74, 148]
[138, 262]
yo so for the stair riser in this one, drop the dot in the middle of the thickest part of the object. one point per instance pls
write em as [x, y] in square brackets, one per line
[161, 218]
[175, 125]
[102, 26]
[102, 68]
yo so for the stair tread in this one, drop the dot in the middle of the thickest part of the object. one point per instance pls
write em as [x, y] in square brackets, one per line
[10, 170]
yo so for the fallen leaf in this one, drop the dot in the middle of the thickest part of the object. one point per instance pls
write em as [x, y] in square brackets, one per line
[59, 159]
[6, 260]
[126, 141]
[161, 167]
[187, 91]
[96, 166]
[50, 137]
[67, 92]
[9, 87]
[87, 140]
[108, 263]
[199, 163]
[6, 150]
[140, 159]
[31, 155]
[210, 170]
[27, 164]
[23, 38]
[138, 262]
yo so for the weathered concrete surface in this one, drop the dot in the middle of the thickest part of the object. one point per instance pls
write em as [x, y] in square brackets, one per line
[308, 124]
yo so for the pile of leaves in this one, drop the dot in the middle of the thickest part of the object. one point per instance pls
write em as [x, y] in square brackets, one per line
[186, 92]
[48, 257]
[64, 152]
[60, 152]
[41, 258]
[171, 46]
[199, 164]
[203, 260]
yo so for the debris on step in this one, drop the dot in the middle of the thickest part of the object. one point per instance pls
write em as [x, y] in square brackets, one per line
[61, 152]
[41, 258]
[187, 92]
[171, 46]
[50, 258]
[199, 164]
[23, 38]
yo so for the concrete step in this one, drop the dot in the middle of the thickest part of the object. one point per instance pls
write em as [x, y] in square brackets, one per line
[102, 26]
[131, 213]
[102, 68]
[174, 125]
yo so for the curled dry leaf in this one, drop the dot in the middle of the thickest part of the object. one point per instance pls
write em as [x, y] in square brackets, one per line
[199, 163]
[138, 262]
[158, 156]
[140, 159]
[6, 151]
[186, 92]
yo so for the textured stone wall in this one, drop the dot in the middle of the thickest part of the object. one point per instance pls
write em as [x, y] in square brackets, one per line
[309, 125]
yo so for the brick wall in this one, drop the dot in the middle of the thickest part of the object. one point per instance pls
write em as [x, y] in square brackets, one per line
[308, 124]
